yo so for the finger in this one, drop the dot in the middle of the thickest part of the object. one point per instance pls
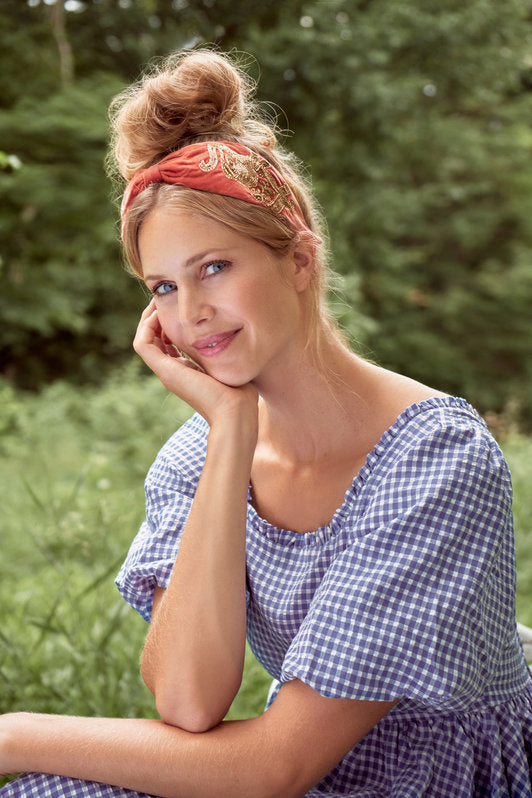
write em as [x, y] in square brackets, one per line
[149, 327]
[150, 307]
[167, 343]
[186, 361]
[149, 314]
[175, 372]
[170, 349]
[168, 346]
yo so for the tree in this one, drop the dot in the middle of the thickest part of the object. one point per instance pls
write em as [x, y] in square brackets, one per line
[68, 309]
[415, 119]
[413, 115]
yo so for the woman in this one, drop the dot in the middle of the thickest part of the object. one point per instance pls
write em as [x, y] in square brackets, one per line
[357, 522]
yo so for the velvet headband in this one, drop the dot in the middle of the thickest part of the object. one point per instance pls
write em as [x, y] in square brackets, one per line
[226, 168]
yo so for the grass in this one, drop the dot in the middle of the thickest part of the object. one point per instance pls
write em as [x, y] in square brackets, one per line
[72, 468]
[72, 464]
[518, 452]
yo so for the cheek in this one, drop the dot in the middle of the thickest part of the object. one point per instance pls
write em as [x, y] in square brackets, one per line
[279, 309]
[169, 324]
[267, 295]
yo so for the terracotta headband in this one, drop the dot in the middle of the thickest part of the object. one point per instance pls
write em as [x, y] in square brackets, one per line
[222, 167]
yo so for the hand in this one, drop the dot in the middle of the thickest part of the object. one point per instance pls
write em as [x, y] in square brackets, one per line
[211, 398]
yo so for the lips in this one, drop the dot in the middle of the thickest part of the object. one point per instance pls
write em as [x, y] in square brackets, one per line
[214, 344]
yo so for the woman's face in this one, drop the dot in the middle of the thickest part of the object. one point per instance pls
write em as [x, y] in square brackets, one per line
[228, 301]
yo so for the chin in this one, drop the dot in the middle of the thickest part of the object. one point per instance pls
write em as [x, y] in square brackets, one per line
[232, 379]
[233, 382]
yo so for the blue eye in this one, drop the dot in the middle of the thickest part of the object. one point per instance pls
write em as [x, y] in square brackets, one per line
[215, 267]
[163, 288]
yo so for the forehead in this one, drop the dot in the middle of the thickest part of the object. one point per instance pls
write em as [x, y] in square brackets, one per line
[166, 233]
[174, 238]
[165, 224]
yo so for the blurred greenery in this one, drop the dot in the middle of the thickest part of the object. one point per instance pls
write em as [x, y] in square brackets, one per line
[72, 502]
[413, 116]
[72, 462]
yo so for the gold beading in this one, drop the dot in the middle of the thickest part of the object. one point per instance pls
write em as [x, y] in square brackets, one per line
[251, 171]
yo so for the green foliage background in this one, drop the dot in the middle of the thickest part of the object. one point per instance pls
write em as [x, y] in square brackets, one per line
[72, 500]
[413, 116]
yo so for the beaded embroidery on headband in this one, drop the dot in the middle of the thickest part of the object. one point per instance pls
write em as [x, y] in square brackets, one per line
[226, 168]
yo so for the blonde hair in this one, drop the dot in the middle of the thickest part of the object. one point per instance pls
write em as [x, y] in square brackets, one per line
[197, 96]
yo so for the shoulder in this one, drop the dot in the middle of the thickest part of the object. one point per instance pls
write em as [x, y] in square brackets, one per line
[442, 427]
[182, 457]
[439, 455]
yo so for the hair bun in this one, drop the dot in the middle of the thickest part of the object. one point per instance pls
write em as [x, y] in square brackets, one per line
[193, 96]
[214, 92]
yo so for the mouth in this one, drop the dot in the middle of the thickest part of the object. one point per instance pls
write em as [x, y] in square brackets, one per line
[214, 344]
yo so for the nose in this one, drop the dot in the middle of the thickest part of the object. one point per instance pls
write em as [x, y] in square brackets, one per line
[192, 306]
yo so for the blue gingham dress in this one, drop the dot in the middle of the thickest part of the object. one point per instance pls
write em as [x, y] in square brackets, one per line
[408, 592]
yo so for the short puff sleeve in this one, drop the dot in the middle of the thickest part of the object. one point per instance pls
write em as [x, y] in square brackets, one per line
[170, 488]
[420, 604]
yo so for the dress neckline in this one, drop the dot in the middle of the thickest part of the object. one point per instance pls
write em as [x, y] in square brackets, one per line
[322, 533]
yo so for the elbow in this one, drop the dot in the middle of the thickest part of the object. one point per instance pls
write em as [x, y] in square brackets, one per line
[190, 705]
[146, 672]
[189, 717]
[192, 723]
[187, 704]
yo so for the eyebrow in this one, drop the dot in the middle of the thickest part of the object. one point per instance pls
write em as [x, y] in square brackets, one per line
[189, 262]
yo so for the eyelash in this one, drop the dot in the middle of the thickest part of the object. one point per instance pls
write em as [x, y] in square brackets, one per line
[155, 289]
[222, 263]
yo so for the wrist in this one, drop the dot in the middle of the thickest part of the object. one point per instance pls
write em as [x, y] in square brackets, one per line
[233, 441]
[12, 736]
[237, 424]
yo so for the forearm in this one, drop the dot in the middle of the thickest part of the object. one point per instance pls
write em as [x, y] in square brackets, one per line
[194, 652]
[144, 755]
[283, 752]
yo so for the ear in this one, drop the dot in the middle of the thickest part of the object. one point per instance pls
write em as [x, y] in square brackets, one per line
[303, 263]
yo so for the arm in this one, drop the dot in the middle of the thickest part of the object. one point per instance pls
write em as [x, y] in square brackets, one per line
[194, 652]
[284, 752]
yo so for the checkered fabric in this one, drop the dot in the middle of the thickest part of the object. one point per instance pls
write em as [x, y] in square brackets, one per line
[407, 593]
[43, 785]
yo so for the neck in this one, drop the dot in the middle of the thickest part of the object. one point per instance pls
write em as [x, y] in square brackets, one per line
[312, 406]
